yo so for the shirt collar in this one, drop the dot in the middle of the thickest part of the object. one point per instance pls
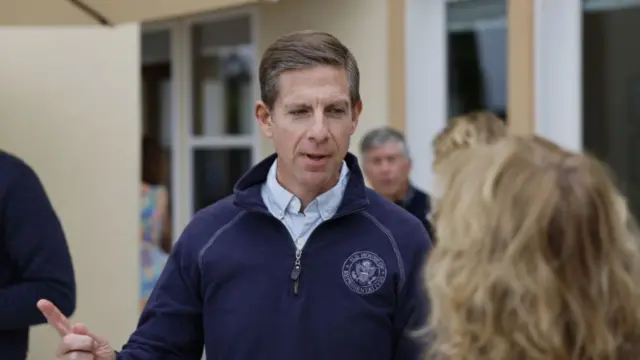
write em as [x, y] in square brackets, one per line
[283, 201]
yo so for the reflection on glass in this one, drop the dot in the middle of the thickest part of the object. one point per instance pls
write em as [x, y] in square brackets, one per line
[156, 115]
[477, 53]
[155, 189]
[222, 77]
[215, 172]
[611, 93]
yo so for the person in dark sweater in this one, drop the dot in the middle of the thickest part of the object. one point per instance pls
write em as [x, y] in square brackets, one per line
[302, 261]
[34, 257]
[387, 164]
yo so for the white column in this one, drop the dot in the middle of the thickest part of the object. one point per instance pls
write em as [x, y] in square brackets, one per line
[558, 71]
[181, 160]
[426, 74]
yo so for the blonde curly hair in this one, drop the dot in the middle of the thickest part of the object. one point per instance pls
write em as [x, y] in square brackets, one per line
[537, 258]
[462, 132]
[480, 127]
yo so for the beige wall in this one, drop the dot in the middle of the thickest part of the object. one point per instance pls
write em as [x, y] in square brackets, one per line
[521, 58]
[396, 59]
[360, 24]
[69, 105]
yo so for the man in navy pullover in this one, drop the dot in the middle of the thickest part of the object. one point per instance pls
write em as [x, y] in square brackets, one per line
[34, 258]
[302, 261]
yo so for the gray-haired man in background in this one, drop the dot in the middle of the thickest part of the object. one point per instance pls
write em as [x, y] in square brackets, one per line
[387, 164]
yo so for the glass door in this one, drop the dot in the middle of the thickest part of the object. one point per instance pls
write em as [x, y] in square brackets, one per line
[222, 139]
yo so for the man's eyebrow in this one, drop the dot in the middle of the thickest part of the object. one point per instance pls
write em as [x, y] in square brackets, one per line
[339, 103]
[295, 105]
[332, 103]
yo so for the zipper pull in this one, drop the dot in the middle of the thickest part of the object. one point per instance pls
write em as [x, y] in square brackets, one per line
[295, 272]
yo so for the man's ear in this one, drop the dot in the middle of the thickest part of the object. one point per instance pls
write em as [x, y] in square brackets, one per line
[263, 115]
[357, 109]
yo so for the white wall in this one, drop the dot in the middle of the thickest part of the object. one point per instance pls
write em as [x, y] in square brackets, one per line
[558, 71]
[426, 73]
[69, 105]
[359, 24]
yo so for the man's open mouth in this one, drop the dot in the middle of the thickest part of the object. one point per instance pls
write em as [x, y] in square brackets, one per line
[316, 157]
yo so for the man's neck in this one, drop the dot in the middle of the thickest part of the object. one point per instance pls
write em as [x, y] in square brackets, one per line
[305, 194]
[399, 196]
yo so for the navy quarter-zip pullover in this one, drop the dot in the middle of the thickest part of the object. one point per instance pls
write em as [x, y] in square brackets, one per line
[34, 258]
[232, 284]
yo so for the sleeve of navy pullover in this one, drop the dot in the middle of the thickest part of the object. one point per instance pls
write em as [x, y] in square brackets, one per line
[38, 251]
[413, 303]
[170, 327]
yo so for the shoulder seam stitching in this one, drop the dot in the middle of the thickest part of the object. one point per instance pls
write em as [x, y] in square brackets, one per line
[394, 245]
[216, 235]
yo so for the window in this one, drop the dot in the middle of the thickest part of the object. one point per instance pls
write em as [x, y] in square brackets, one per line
[156, 118]
[223, 128]
[222, 77]
[477, 56]
[611, 89]
[215, 173]
[200, 87]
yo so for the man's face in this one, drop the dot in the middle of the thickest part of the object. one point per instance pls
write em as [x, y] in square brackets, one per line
[310, 124]
[387, 169]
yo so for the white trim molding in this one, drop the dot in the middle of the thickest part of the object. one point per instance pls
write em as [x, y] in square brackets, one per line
[179, 132]
[558, 71]
[426, 82]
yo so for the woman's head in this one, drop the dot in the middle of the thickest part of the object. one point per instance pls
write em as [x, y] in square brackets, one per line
[480, 127]
[462, 132]
[536, 259]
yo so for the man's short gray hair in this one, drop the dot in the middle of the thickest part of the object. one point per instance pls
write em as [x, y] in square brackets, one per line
[383, 136]
[303, 50]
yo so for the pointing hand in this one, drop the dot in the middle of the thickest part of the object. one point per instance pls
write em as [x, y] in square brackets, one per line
[78, 343]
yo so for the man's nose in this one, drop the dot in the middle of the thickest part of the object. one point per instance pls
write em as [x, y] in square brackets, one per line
[385, 167]
[319, 131]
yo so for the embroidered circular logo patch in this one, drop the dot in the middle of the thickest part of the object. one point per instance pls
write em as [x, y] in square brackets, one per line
[364, 272]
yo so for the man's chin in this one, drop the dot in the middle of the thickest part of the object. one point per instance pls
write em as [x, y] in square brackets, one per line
[318, 179]
[391, 196]
[385, 192]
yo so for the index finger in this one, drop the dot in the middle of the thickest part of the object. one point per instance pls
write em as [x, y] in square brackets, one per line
[54, 317]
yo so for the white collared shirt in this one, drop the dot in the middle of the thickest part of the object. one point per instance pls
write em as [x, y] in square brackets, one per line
[286, 207]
